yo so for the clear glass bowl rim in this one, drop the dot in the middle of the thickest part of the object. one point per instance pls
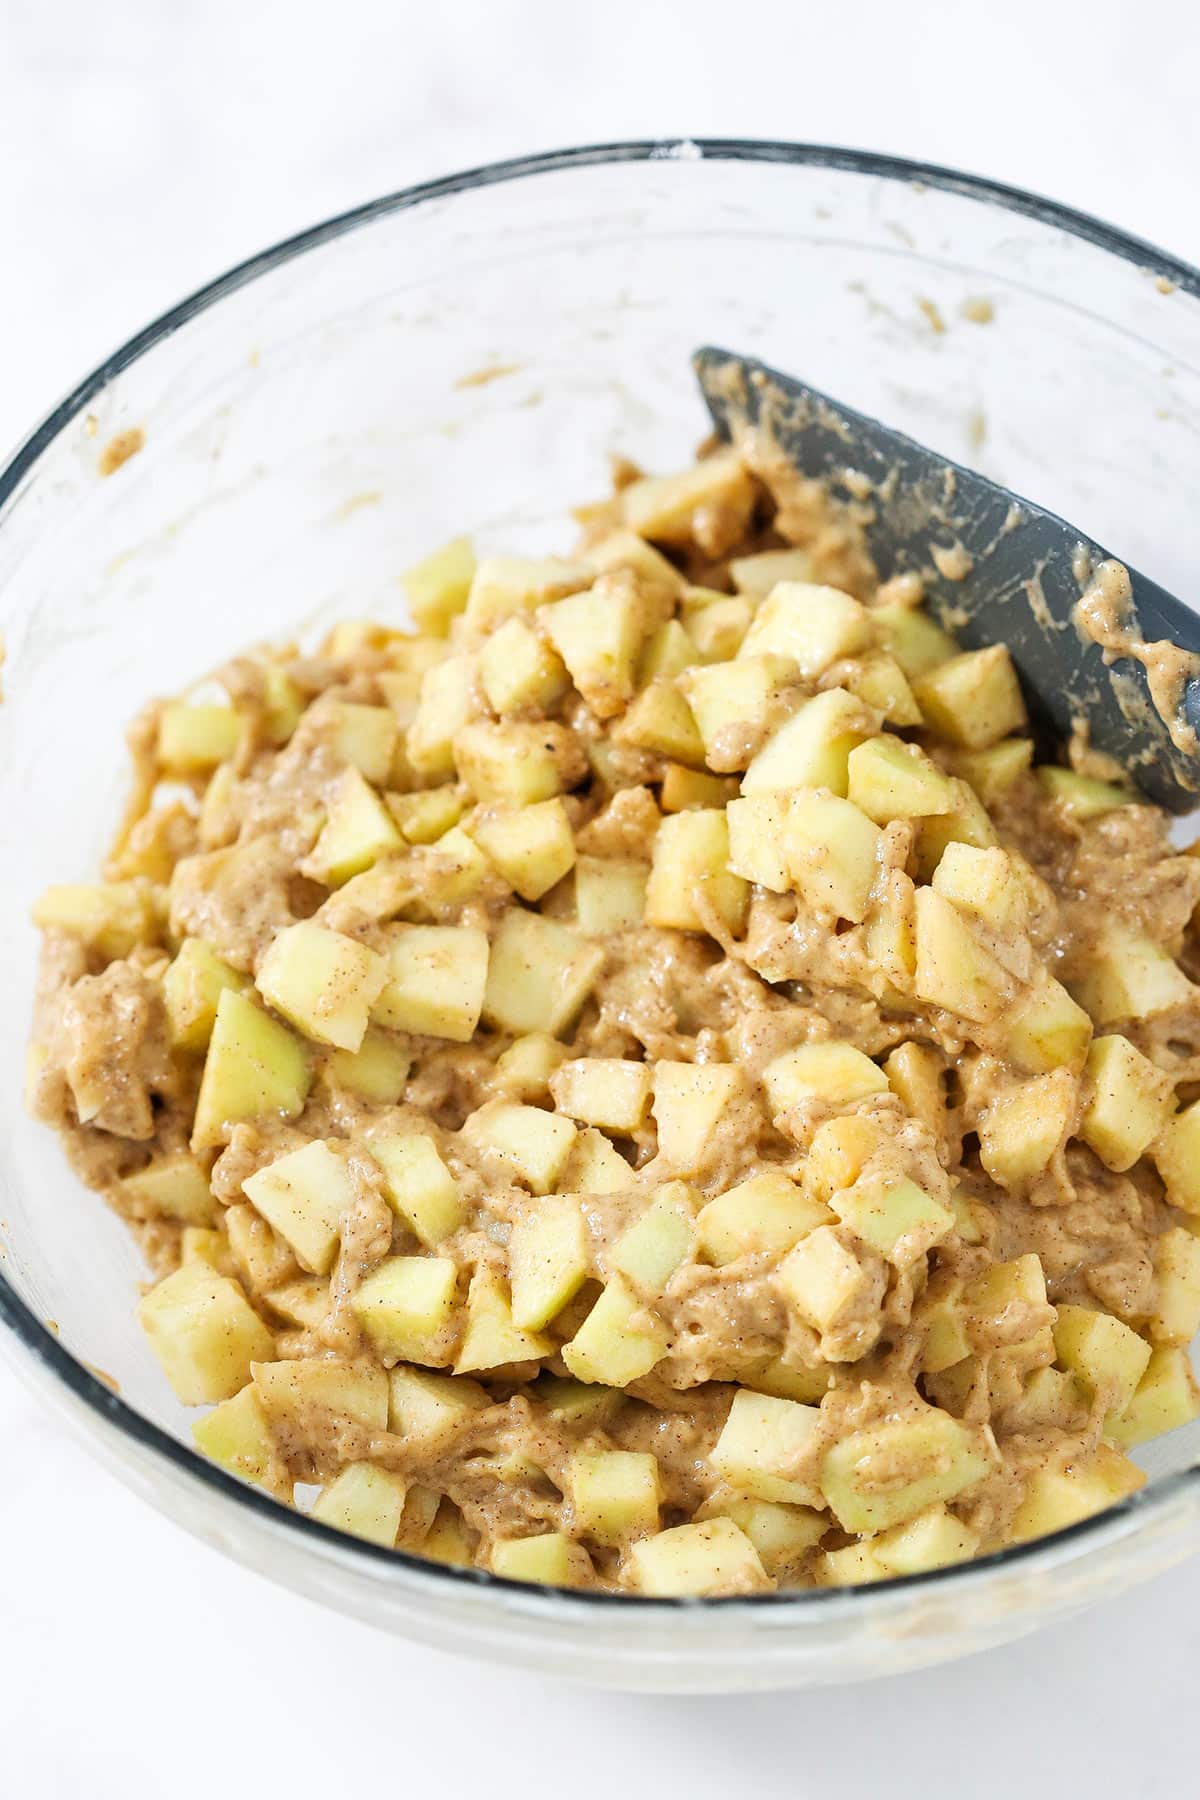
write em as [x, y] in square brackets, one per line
[39, 1343]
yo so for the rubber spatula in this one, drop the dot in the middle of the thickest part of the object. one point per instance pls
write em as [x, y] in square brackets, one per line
[1025, 568]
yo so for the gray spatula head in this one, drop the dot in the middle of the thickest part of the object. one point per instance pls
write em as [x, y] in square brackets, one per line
[998, 569]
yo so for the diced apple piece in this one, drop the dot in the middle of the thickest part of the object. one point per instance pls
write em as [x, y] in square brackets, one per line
[262, 1257]
[618, 1342]
[303, 1196]
[173, 1186]
[684, 789]
[539, 975]
[758, 574]
[649, 1253]
[550, 1559]
[691, 854]
[532, 1143]
[523, 1071]
[436, 978]
[1129, 976]
[204, 1332]
[660, 720]
[732, 703]
[532, 846]
[716, 624]
[114, 916]
[886, 1474]
[322, 982]
[831, 849]
[966, 823]
[767, 1446]
[449, 1539]
[609, 1091]
[1082, 797]
[765, 1215]
[194, 738]
[1128, 1102]
[423, 1407]
[1021, 1129]
[946, 1340]
[419, 1187]
[854, 1565]
[199, 1243]
[691, 1100]
[1046, 1029]
[598, 634]
[504, 585]
[493, 1339]
[429, 814]
[1056, 1498]
[914, 1073]
[757, 850]
[1177, 1158]
[782, 1535]
[610, 895]
[357, 832]
[839, 1151]
[405, 1306]
[983, 882]
[933, 1540]
[973, 699]
[832, 1073]
[1051, 1399]
[889, 779]
[916, 642]
[1166, 1397]
[1175, 1318]
[516, 762]
[365, 737]
[994, 771]
[572, 1402]
[667, 652]
[447, 706]
[595, 1167]
[236, 1435]
[624, 549]
[438, 585]
[1007, 1305]
[365, 1501]
[548, 1261]
[448, 872]
[710, 1556]
[192, 986]
[878, 679]
[289, 1390]
[254, 1067]
[954, 970]
[812, 748]
[812, 625]
[806, 1382]
[615, 1495]
[376, 1071]
[710, 503]
[519, 671]
[821, 1280]
[1107, 1357]
[303, 1301]
[899, 1220]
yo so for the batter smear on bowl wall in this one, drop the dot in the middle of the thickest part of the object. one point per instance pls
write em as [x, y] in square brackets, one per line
[646, 1083]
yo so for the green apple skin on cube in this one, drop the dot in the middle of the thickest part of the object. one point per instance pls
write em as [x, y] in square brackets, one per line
[548, 1261]
[304, 1196]
[322, 982]
[860, 1479]
[423, 1407]
[204, 1332]
[711, 1556]
[236, 1434]
[405, 1307]
[539, 975]
[192, 988]
[493, 1339]
[435, 980]
[1082, 796]
[357, 832]
[615, 1495]
[649, 1253]
[550, 1560]
[419, 1187]
[364, 1501]
[618, 1342]
[254, 1067]
[768, 1448]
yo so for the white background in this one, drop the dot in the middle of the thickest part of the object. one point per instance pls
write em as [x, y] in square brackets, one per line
[143, 147]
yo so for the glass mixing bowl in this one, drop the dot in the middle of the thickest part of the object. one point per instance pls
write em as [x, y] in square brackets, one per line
[467, 355]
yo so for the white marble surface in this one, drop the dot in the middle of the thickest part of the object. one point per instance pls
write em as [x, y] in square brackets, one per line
[145, 145]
